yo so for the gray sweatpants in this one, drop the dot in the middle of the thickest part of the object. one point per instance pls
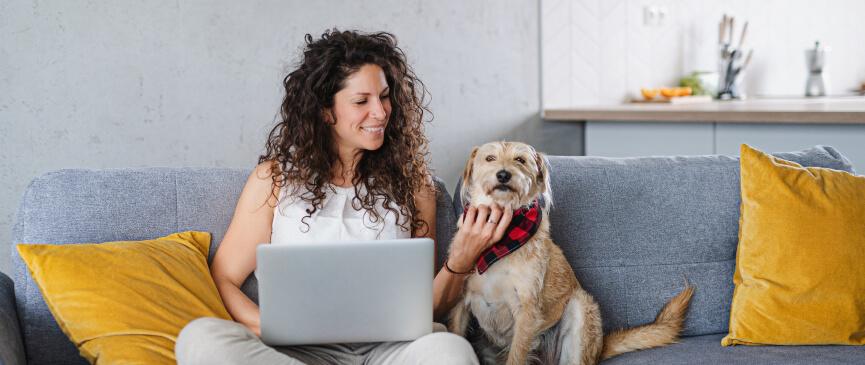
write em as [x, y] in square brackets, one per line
[218, 341]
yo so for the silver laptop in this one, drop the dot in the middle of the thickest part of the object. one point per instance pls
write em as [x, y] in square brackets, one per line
[348, 291]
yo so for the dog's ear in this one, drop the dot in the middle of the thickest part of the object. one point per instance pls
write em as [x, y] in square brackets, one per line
[543, 179]
[467, 176]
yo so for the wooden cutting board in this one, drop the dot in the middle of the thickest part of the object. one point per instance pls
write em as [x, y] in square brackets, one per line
[693, 99]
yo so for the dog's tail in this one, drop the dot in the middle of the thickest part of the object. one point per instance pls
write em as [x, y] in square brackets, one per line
[664, 331]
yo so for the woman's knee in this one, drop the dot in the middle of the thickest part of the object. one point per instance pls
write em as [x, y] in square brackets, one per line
[204, 338]
[442, 348]
[199, 326]
[209, 327]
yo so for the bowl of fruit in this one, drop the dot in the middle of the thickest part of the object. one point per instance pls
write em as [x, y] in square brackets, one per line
[673, 95]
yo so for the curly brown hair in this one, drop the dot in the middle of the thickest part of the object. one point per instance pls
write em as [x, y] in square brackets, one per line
[301, 146]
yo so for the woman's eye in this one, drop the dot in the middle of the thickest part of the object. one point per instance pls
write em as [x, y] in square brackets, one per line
[385, 96]
[520, 160]
[360, 102]
[491, 158]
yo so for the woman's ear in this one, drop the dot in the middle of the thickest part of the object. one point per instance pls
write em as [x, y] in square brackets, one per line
[467, 176]
[328, 116]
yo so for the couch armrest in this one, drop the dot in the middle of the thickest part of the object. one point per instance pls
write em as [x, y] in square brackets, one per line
[11, 344]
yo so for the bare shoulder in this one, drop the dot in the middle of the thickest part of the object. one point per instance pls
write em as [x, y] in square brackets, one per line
[266, 170]
[260, 184]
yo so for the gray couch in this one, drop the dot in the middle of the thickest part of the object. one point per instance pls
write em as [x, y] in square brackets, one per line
[631, 228]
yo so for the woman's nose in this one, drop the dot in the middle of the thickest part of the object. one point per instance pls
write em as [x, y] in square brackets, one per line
[378, 111]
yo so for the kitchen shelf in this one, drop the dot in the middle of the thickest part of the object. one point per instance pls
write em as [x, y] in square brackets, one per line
[835, 110]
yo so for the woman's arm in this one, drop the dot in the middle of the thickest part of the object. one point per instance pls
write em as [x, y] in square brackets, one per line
[235, 258]
[473, 237]
[425, 201]
[445, 288]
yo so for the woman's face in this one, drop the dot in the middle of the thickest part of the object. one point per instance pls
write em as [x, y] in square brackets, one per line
[362, 109]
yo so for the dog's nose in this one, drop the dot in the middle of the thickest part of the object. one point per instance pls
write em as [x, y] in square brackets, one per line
[503, 176]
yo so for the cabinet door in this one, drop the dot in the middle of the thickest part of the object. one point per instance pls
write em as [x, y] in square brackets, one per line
[626, 139]
[849, 139]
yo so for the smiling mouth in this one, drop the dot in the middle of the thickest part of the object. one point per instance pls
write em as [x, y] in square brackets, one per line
[374, 132]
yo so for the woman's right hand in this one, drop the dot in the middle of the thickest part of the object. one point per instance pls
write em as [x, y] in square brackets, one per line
[480, 227]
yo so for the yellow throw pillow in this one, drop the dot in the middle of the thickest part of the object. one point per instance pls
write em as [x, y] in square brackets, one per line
[125, 302]
[800, 265]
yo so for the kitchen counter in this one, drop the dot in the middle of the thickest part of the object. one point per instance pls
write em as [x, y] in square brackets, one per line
[834, 110]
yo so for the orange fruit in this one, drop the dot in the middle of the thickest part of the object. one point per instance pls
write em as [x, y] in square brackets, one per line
[683, 91]
[648, 93]
[669, 92]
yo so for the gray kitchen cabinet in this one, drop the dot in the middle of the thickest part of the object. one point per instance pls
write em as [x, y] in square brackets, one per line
[847, 138]
[770, 124]
[624, 139]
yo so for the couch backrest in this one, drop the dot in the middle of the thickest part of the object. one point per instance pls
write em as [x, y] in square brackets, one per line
[75, 206]
[634, 228]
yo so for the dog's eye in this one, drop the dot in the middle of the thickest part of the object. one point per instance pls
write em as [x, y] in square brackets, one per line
[491, 158]
[520, 160]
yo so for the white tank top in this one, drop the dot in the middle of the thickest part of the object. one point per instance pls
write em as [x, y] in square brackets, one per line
[336, 220]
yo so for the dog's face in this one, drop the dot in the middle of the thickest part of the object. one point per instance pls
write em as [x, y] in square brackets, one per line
[506, 173]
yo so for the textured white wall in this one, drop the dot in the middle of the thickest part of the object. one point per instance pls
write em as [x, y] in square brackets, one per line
[599, 51]
[101, 84]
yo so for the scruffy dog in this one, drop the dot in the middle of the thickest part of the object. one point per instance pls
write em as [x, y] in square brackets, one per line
[529, 305]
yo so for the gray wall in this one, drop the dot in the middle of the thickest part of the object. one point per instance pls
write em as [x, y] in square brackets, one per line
[197, 83]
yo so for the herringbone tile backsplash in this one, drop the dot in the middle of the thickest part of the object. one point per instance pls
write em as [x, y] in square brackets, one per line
[600, 51]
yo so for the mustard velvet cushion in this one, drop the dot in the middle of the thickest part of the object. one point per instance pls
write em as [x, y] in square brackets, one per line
[800, 265]
[130, 300]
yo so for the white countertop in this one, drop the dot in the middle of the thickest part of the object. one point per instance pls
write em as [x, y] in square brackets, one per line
[847, 110]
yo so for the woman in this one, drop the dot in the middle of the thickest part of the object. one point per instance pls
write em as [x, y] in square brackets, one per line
[350, 149]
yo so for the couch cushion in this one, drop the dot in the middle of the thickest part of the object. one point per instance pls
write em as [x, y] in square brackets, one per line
[707, 349]
[78, 205]
[73, 206]
[633, 228]
[799, 277]
[152, 289]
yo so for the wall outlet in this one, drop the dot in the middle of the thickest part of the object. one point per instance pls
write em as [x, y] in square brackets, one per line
[654, 15]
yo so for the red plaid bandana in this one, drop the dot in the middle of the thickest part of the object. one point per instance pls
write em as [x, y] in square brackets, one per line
[523, 226]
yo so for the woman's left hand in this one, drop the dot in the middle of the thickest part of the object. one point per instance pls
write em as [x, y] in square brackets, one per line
[481, 227]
